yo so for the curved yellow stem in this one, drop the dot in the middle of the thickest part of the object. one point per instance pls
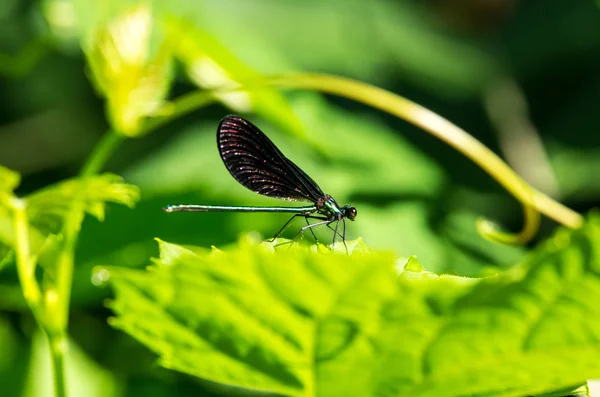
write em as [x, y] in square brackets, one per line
[449, 133]
[532, 200]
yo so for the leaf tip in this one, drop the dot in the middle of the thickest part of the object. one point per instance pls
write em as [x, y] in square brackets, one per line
[109, 303]
[9, 179]
[170, 253]
[114, 322]
[412, 264]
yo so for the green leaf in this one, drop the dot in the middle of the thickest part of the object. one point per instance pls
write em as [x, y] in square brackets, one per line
[9, 179]
[47, 209]
[211, 65]
[413, 46]
[37, 238]
[270, 343]
[49, 206]
[304, 323]
[581, 391]
[134, 79]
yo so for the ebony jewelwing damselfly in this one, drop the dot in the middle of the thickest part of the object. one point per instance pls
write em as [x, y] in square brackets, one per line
[255, 162]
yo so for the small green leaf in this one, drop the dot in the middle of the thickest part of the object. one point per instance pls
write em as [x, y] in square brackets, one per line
[37, 239]
[9, 179]
[412, 264]
[306, 322]
[50, 205]
[134, 80]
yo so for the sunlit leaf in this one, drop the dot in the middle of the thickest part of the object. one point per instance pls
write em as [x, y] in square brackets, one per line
[50, 205]
[37, 238]
[306, 323]
[211, 65]
[272, 350]
[63, 22]
[580, 391]
[9, 179]
[47, 209]
[134, 79]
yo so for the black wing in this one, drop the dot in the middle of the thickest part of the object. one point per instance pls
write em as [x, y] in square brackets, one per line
[255, 162]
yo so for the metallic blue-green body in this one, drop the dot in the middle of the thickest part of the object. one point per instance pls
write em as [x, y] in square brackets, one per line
[231, 208]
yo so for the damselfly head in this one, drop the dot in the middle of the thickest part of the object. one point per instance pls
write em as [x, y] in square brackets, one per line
[349, 212]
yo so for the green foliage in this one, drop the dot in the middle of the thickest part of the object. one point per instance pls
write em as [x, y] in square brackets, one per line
[59, 210]
[301, 322]
[388, 33]
[131, 53]
[9, 180]
[362, 156]
[209, 64]
[49, 206]
[134, 79]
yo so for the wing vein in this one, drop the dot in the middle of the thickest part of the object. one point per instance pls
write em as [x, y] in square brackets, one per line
[256, 163]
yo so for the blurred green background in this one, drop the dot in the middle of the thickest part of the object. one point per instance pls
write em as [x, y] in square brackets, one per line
[521, 76]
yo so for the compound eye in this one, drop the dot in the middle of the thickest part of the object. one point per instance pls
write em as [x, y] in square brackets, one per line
[352, 213]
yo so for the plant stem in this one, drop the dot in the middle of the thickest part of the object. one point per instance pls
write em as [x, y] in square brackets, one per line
[447, 132]
[102, 151]
[57, 351]
[440, 128]
[60, 296]
[57, 297]
[33, 295]
[180, 107]
[25, 265]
